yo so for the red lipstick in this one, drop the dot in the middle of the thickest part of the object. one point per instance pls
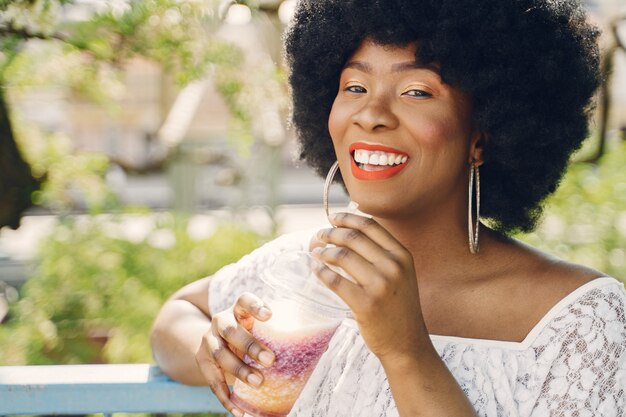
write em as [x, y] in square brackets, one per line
[362, 174]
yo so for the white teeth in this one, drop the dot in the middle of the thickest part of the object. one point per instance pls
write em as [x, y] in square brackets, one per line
[362, 156]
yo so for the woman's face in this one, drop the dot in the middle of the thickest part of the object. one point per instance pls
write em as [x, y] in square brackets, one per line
[402, 137]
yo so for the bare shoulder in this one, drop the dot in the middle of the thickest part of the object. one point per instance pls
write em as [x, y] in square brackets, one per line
[510, 289]
[554, 277]
[524, 285]
[543, 280]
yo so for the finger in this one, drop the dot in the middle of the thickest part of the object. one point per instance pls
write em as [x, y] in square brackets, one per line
[215, 377]
[348, 291]
[359, 269]
[356, 240]
[217, 382]
[228, 362]
[239, 338]
[242, 341]
[369, 227]
[241, 355]
[315, 242]
[249, 307]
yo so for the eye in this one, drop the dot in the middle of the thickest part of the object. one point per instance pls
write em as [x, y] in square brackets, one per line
[357, 89]
[417, 93]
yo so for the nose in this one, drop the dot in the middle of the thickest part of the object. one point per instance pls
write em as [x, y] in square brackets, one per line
[375, 114]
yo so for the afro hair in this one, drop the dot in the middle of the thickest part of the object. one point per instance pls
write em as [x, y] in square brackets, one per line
[530, 68]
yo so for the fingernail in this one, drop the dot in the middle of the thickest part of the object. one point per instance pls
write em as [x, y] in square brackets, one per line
[317, 250]
[236, 412]
[264, 312]
[266, 358]
[254, 379]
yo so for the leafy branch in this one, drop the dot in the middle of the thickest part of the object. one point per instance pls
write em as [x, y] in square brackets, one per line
[25, 34]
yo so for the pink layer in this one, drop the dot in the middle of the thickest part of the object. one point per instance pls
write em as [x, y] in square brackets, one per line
[293, 357]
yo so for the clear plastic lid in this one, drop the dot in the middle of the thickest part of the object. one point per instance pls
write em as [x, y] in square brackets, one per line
[291, 277]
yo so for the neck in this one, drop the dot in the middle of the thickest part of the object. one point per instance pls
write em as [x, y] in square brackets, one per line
[440, 247]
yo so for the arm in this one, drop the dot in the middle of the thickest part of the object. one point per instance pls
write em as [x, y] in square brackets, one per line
[423, 386]
[384, 300]
[177, 332]
[184, 323]
[196, 348]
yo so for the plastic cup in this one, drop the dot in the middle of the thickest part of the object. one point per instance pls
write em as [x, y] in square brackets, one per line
[305, 315]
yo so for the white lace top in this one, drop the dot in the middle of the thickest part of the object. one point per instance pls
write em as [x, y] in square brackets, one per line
[573, 362]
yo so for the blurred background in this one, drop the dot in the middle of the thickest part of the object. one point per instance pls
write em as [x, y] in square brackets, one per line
[145, 144]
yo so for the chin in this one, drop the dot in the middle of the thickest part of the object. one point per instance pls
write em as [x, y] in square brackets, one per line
[378, 209]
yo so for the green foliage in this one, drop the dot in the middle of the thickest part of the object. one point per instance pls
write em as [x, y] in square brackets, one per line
[177, 35]
[67, 172]
[96, 283]
[44, 44]
[86, 57]
[585, 220]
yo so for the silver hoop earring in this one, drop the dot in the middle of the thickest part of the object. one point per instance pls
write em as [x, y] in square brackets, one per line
[473, 231]
[329, 179]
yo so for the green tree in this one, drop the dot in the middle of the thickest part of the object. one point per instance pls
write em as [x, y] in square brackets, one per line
[176, 35]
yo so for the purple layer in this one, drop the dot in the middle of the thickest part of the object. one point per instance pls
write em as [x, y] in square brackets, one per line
[293, 357]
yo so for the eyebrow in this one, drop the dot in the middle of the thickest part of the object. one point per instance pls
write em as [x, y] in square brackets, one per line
[399, 67]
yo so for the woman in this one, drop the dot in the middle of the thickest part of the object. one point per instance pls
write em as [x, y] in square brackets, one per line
[424, 104]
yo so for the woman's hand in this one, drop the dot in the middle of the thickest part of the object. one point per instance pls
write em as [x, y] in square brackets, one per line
[384, 296]
[224, 346]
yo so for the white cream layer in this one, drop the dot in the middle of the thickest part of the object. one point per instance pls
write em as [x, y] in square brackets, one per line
[290, 322]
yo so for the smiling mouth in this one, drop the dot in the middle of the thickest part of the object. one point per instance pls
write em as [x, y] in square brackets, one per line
[375, 162]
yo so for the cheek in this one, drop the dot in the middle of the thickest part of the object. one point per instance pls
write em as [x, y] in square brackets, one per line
[440, 131]
[433, 133]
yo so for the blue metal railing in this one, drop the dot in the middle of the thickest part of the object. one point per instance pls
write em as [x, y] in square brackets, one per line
[91, 389]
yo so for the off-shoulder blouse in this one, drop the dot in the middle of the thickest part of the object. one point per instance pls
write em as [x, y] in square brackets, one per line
[572, 363]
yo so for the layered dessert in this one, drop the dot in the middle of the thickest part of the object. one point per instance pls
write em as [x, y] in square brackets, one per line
[298, 340]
